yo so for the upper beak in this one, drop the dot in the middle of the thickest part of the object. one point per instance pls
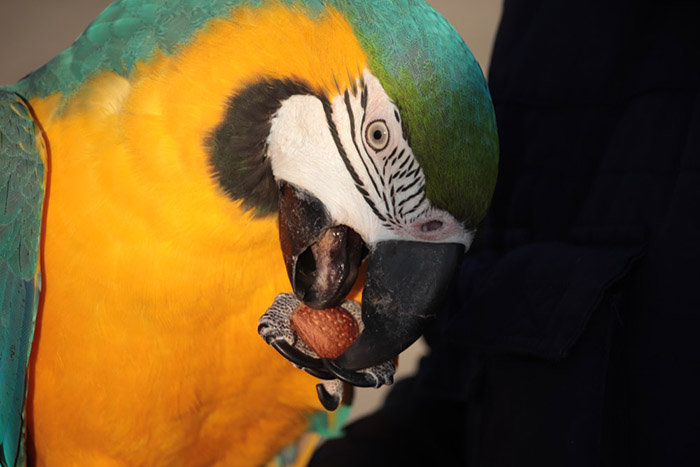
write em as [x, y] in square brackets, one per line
[405, 284]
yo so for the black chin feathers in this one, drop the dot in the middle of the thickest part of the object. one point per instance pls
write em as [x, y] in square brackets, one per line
[238, 146]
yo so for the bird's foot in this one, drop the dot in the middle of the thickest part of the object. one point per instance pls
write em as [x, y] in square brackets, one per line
[275, 327]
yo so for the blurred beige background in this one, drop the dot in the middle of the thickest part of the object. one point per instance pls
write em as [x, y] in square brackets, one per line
[33, 31]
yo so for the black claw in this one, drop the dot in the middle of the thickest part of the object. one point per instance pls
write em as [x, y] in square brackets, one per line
[363, 380]
[295, 356]
[268, 338]
[328, 401]
[348, 394]
[320, 373]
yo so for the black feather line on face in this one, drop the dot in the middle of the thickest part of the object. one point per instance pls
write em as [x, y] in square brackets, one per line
[403, 164]
[406, 188]
[237, 147]
[409, 198]
[327, 108]
[387, 160]
[341, 150]
[354, 138]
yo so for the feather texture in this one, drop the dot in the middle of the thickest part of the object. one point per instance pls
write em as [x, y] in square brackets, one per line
[21, 197]
[422, 62]
[154, 279]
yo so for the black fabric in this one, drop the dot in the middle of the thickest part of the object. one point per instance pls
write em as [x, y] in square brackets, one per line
[572, 337]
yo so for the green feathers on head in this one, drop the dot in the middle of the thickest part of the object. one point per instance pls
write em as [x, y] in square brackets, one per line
[426, 68]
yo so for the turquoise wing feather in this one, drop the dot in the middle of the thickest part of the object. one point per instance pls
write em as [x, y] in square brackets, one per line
[21, 199]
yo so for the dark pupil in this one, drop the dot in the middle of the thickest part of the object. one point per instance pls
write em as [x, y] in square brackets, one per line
[377, 135]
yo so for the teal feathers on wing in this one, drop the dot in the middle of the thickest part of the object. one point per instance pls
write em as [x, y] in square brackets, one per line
[21, 198]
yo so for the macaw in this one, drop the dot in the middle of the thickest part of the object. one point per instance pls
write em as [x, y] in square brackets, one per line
[149, 175]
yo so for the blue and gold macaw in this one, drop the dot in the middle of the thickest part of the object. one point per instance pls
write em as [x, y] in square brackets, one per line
[150, 173]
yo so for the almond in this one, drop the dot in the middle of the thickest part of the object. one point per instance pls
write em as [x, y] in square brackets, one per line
[327, 332]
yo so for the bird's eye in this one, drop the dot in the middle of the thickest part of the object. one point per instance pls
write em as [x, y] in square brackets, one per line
[377, 135]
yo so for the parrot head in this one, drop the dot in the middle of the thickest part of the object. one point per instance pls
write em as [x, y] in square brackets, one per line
[378, 146]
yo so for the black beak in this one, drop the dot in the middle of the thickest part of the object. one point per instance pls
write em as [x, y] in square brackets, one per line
[405, 283]
[405, 286]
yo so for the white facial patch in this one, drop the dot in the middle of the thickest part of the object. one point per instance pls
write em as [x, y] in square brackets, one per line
[354, 157]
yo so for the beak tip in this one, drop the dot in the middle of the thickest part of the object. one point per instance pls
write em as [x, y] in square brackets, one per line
[405, 287]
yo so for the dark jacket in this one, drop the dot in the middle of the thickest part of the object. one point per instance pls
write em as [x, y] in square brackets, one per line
[572, 337]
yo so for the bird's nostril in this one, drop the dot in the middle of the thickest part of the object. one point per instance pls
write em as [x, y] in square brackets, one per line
[431, 226]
